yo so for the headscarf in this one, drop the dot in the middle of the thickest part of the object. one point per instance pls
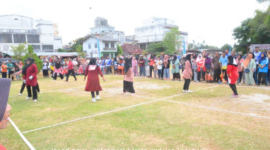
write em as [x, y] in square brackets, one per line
[57, 64]
[247, 60]
[152, 56]
[240, 57]
[188, 58]
[262, 58]
[198, 58]
[31, 61]
[231, 61]
[174, 59]
[127, 64]
[4, 93]
[166, 61]
[92, 61]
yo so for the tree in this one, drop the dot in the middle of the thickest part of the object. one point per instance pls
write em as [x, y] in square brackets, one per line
[80, 51]
[253, 30]
[156, 48]
[225, 46]
[119, 50]
[201, 46]
[61, 50]
[262, 1]
[172, 41]
[30, 53]
[18, 51]
[77, 42]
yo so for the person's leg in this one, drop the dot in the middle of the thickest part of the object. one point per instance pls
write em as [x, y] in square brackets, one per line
[55, 76]
[235, 90]
[151, 71]
[226, 77]
[143, 68]
[34, 88]
[188, 83]
[185, 88]
[264, 78]
[124, 87]
[259, 78]
[192, 74]
[240, 77]
[162, 73]
[9, 74]
[195, 75]
[4, 75]
[140, 71]
[97, 93]
[29, 91]
[69, 71]
[61, 76]
[268, 76]
[22, 88]
[93, 94]
[199, 76]
[73, 74]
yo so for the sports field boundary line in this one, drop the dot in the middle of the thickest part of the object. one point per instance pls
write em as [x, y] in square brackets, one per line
[21, 135]
[111, 111]
[217, 109]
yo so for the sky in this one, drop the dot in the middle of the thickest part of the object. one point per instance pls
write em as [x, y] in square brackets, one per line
[209, 20]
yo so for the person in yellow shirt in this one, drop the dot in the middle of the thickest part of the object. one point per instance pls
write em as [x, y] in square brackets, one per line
[4, 70]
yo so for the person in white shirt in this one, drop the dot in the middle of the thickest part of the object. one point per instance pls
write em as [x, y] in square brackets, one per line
[159, 66]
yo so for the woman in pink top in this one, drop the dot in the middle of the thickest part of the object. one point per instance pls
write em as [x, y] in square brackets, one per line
[187, 74]
[239, 62]
[128, 78]
[135, 66]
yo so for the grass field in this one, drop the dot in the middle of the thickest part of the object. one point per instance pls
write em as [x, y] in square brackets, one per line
[158, 116]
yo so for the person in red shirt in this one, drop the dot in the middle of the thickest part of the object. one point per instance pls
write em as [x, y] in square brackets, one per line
[4, 70]
[232, 73]
[70, 70]
[30, 72]
[5, 108]
[92, 71]
[152, 61]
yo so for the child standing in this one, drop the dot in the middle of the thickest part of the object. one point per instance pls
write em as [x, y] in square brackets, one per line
[92, 71]
[194, 70]
[135, 66]
[159, 66]
[128, 77]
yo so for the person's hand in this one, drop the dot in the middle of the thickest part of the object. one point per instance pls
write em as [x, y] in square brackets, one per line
[252, 70]
[31, 77]
[84, 79]
[103, 79]
[24, 81]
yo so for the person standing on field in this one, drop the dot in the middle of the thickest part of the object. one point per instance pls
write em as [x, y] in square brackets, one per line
[4, 70]
[70, 70]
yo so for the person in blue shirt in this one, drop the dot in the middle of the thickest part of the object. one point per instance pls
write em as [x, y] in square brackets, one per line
[257, 55]
[108, 62]
[263, 69]
[223, 60]
[102, 65]
[227, 53]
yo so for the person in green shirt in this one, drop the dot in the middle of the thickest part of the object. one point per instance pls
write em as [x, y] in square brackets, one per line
[10, 69]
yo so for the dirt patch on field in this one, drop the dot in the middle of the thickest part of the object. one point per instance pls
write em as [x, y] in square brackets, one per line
[258, 98]
[150, 86]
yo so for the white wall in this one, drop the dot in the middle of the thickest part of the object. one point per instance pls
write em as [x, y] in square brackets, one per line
[9, 22]
[46, 35]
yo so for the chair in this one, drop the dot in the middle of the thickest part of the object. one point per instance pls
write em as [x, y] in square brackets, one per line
[120, 68]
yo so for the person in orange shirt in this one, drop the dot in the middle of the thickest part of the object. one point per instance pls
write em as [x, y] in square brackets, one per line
[4, 70]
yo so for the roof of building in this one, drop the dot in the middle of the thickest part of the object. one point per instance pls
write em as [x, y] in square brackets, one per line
[15, 15]
[50, 54]
[101, 38]
[131, 49]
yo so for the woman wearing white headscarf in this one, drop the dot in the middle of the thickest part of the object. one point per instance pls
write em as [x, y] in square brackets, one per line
[201, 66]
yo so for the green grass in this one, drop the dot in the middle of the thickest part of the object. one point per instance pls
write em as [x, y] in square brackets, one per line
[159, 124]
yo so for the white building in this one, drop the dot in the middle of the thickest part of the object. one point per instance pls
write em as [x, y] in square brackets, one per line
[104, 29]
[15, 29]
[154, 30]
[107, 45]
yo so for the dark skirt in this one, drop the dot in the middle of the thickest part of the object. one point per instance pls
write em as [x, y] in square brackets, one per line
[45, 73]
[176, 75]
[128, 87]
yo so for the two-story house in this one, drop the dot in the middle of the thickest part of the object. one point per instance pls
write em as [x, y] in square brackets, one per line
[107, 45]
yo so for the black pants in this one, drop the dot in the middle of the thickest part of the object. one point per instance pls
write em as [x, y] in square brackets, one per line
[192, 74]
[55, 76]
[262, 78]
[201, 73]
[217, 75]
[128, 87]
[93, 94]
[4, 75]
[151, 70]
[186, 84]
[23, 86]
[10, 73]
[240, 76]
[162, 72]
[71, 72]
[34, 89]
[233, 87]
[224, 71]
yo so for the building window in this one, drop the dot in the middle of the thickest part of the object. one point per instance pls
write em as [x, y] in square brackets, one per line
[47, 47]
[19, 38]
[36, 47]
[95, 45]
[33, 38]
[106, 44]
[89, 45]
[112, 45]
[5, 38]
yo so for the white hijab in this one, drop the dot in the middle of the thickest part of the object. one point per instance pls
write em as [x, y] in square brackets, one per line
[198, 58]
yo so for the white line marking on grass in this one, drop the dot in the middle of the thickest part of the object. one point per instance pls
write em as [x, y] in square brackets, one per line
[216, 109]
[21, 135]
[107, 112]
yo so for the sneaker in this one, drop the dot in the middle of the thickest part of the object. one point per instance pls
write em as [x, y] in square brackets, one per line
[39, 92]
[189, 91]
[94, 100]
[219, 82]
[98, 97]
[27, 98]
[20, 94]
[234, 96]
[35, 100]
[184, 91]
